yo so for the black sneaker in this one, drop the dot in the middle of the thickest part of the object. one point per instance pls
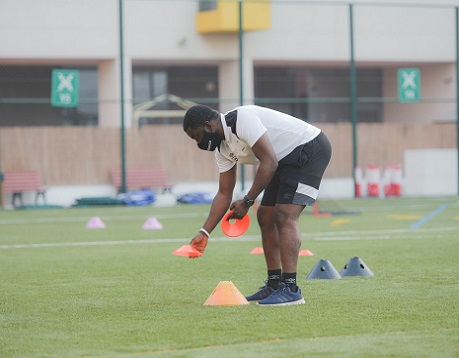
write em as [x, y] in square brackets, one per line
[283, 297]
[264, 292]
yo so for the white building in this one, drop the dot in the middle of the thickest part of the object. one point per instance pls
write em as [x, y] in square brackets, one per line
[293, 55]
[302, 51]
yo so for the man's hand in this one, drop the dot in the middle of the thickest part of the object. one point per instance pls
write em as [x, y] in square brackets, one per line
[238, 210]
[199, 242]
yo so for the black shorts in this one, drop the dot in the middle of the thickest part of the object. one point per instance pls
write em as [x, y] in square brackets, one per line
[298, 175]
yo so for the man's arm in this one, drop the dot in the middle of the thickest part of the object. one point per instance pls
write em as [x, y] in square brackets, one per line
[266, 169]
[222, 200]
[220, 205]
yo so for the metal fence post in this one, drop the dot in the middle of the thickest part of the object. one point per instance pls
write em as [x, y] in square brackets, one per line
[353, 84]
[123, 130]
[241, 77]
[457, 94]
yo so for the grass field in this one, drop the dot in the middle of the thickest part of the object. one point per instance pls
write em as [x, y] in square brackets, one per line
[67, 291]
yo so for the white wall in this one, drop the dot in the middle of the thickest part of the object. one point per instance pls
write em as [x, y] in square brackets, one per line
[404, 34]
[427, 173]
[53, 29]
[165, 30]
[66, 195]
[437, 83]
[431, 172]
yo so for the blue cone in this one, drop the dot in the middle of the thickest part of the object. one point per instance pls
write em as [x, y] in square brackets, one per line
[355, 267]
[323, 269]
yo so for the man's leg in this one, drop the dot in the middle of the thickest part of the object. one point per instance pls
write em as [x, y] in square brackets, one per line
[270, 240]
[269, 236]
[286, 218]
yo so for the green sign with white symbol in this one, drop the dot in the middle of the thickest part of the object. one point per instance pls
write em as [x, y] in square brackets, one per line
[409, 85]
[64, 88]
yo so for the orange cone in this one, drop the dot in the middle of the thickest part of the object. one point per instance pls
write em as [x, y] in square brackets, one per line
[235, 228]
[187, 250]
[257, 251]
[226, 294]
[305, 253]
[316, 212]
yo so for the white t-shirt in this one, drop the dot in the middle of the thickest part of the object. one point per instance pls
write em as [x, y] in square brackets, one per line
[284, 132]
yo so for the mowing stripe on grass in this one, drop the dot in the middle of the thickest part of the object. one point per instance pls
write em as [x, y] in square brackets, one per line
[395, 234]
[309, 346]
[429, 216]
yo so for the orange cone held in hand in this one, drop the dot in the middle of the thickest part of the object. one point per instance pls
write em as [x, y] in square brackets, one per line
[235, 228]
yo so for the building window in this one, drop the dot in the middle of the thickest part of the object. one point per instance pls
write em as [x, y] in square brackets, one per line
[319, 94]
[197, 84]
[207, 5]
[25, 98]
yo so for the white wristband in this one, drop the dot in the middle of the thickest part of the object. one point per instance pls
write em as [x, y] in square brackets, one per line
[205, 232]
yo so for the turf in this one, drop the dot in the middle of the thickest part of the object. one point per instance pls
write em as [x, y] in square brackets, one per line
[67, 291]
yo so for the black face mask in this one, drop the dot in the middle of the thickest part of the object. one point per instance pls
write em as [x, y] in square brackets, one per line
[209, 141]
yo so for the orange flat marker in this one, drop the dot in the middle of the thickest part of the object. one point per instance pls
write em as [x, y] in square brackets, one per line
[305, 253]
[316, 212]
[188, 251]
[257, 251]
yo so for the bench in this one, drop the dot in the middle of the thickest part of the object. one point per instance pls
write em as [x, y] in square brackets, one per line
[142, 179]
[17, 183]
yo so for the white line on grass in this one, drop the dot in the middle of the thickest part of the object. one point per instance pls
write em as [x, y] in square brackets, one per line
[85, 219]
[320, 236]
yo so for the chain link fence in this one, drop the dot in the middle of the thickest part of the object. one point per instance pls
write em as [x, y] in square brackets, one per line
[355, 70]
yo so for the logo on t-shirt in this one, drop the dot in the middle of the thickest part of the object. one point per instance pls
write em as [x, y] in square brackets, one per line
[233, 156]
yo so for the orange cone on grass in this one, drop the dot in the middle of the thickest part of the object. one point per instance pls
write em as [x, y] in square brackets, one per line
[188, 251]
[257, 251]
[318, 214]
[305, 253]
[226, 294]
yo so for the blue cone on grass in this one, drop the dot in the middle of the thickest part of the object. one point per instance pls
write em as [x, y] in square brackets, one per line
[323, 269]
[355, 267]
